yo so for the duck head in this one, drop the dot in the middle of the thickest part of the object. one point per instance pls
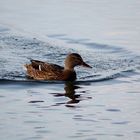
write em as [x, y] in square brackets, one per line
[73, 60]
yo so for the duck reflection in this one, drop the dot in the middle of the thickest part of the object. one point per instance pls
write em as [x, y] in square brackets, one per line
[70, 92]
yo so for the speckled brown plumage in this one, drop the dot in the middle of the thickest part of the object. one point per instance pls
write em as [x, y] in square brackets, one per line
[46, 71]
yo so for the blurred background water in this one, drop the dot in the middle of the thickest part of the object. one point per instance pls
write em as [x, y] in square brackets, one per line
[103, 103]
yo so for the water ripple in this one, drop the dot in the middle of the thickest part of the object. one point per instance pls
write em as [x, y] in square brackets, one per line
[18, 50]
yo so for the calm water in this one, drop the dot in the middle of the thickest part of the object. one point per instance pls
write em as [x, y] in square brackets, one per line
[103, 103]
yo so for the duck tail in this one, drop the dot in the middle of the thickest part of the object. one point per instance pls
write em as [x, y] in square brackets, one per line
[27, 66]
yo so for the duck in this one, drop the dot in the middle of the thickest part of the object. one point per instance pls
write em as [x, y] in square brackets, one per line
[40, 70]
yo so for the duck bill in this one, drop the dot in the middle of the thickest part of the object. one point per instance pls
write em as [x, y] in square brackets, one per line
[86, 65]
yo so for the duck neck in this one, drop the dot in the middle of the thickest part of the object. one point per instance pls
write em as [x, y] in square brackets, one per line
[68, 68]
[68, 65]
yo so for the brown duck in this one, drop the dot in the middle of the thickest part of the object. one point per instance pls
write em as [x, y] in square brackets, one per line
[46, 71]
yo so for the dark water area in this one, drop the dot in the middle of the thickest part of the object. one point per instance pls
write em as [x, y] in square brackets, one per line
[103, 103]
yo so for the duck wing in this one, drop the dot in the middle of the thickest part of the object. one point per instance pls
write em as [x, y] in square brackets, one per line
[46, 67]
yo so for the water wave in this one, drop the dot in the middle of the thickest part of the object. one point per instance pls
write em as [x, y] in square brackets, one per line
[18, 50]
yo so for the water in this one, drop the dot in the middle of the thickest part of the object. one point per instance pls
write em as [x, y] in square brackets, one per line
[103, 103]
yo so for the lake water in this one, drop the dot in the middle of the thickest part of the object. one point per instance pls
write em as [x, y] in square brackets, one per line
[103, 103]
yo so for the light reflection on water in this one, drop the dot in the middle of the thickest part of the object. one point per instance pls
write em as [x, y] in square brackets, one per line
[38, 110]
